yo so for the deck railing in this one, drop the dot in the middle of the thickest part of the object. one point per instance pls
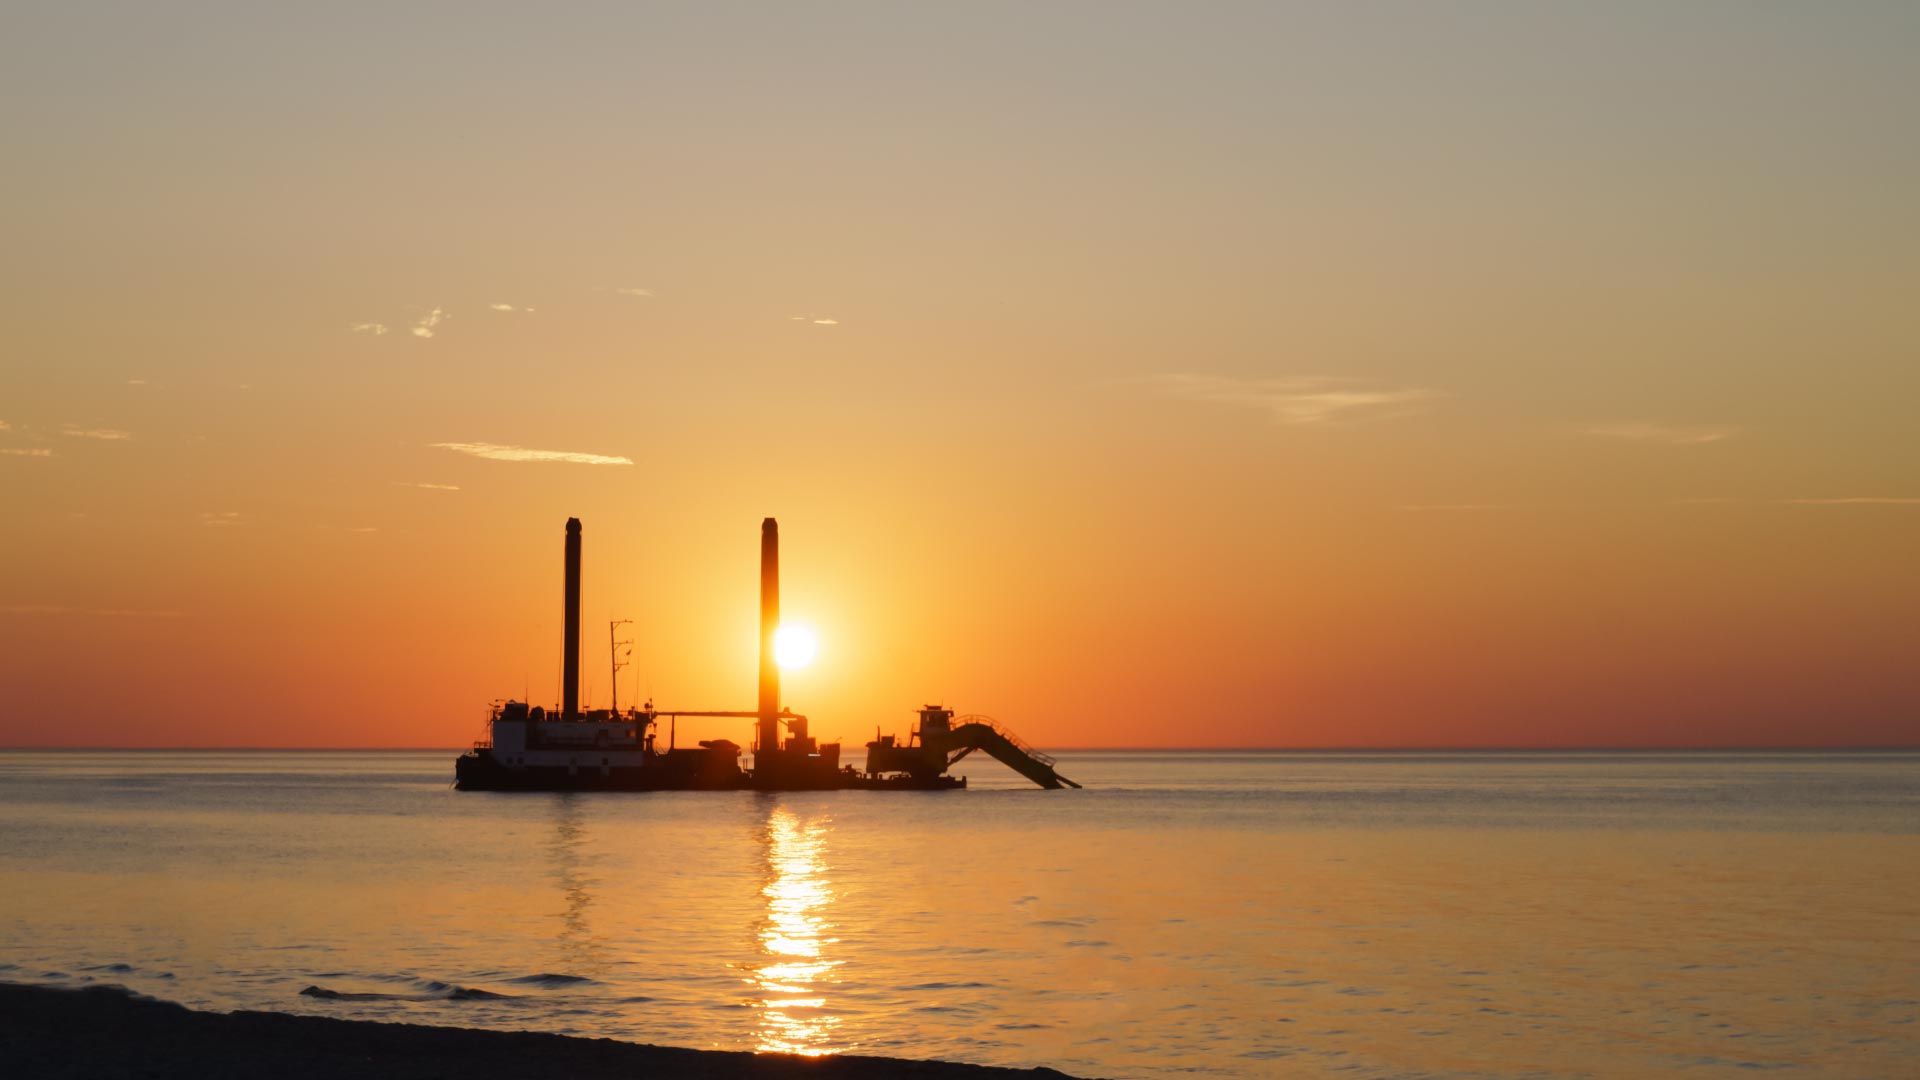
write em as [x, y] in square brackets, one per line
[1004, 732]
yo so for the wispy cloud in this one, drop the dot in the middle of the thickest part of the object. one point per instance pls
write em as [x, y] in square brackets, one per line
[364, 529]
[1461, 506]
[1662, 434]
[220, 518]
[138, 382]
[1305, 400]
[374, 328]
[63, 609]
[1857, 500]
[423, 326]
[427, 486]
[817, 320]
[30, 451]
[103, 434]
[509, 307]
[4, 426]
[497, 452]
[644, 294]
[1843, 500]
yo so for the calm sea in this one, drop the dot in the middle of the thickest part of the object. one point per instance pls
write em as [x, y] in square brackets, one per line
[1256, 914]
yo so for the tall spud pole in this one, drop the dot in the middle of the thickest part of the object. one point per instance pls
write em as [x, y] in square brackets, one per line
[570, 648]
[769, 623]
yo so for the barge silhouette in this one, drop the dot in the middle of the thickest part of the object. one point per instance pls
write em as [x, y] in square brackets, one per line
[533, 749]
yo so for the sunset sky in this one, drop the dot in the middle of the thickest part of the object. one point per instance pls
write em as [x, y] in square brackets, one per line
[1142, 375]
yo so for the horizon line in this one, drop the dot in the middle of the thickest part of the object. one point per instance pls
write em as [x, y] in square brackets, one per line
[1430, 749]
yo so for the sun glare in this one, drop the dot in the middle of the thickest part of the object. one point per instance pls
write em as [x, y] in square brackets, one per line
[794, 646]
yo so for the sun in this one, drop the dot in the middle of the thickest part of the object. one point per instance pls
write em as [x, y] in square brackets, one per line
[794, 646]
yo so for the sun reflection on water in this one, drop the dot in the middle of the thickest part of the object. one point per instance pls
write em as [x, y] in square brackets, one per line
[793, 971]
[582, 952]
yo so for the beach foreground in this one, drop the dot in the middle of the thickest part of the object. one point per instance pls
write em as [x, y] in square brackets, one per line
[104, 1031]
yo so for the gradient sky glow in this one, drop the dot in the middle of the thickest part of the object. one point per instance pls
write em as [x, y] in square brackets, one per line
[1224, 375]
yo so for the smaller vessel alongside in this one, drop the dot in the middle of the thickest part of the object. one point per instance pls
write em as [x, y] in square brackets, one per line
[528, 748]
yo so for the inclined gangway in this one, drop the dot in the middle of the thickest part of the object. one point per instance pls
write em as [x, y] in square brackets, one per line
[979, 732]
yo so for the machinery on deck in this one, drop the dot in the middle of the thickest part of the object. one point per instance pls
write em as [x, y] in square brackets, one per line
[941, 741]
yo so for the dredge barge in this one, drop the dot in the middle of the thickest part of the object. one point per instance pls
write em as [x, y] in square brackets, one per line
[534, 749]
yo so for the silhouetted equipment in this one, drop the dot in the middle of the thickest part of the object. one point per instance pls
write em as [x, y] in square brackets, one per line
[977, 732]
[769, 729]
[570, 649]
[611, 750]
[942, 742]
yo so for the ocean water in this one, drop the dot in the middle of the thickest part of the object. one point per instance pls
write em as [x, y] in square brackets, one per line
[1218, 914]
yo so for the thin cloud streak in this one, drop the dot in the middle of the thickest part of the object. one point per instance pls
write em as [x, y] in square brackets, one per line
[1857, 500]
[426, 486]
[35, 451]
[1662, 434]
[103, 434]
[497, 452]
[644, 294]
[1846, 500]
[62, 609]
[220, 518]
[374, 328]
[1300, 400]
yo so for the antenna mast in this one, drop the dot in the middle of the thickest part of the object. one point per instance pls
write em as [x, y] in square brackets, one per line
[613, 654]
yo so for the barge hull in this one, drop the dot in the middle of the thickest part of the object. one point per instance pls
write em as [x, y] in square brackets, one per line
[476, 773]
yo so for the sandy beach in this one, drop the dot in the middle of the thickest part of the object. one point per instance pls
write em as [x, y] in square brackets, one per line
[105, 1032]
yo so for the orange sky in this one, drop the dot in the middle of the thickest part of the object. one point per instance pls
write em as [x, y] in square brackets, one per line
[1273, 378]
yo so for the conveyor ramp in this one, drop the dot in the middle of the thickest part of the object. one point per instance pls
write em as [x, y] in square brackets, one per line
[978, 732]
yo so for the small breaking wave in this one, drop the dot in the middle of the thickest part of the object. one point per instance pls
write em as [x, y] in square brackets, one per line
[435, 991]
[550, 979]
[952, 986]
[344, 995]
